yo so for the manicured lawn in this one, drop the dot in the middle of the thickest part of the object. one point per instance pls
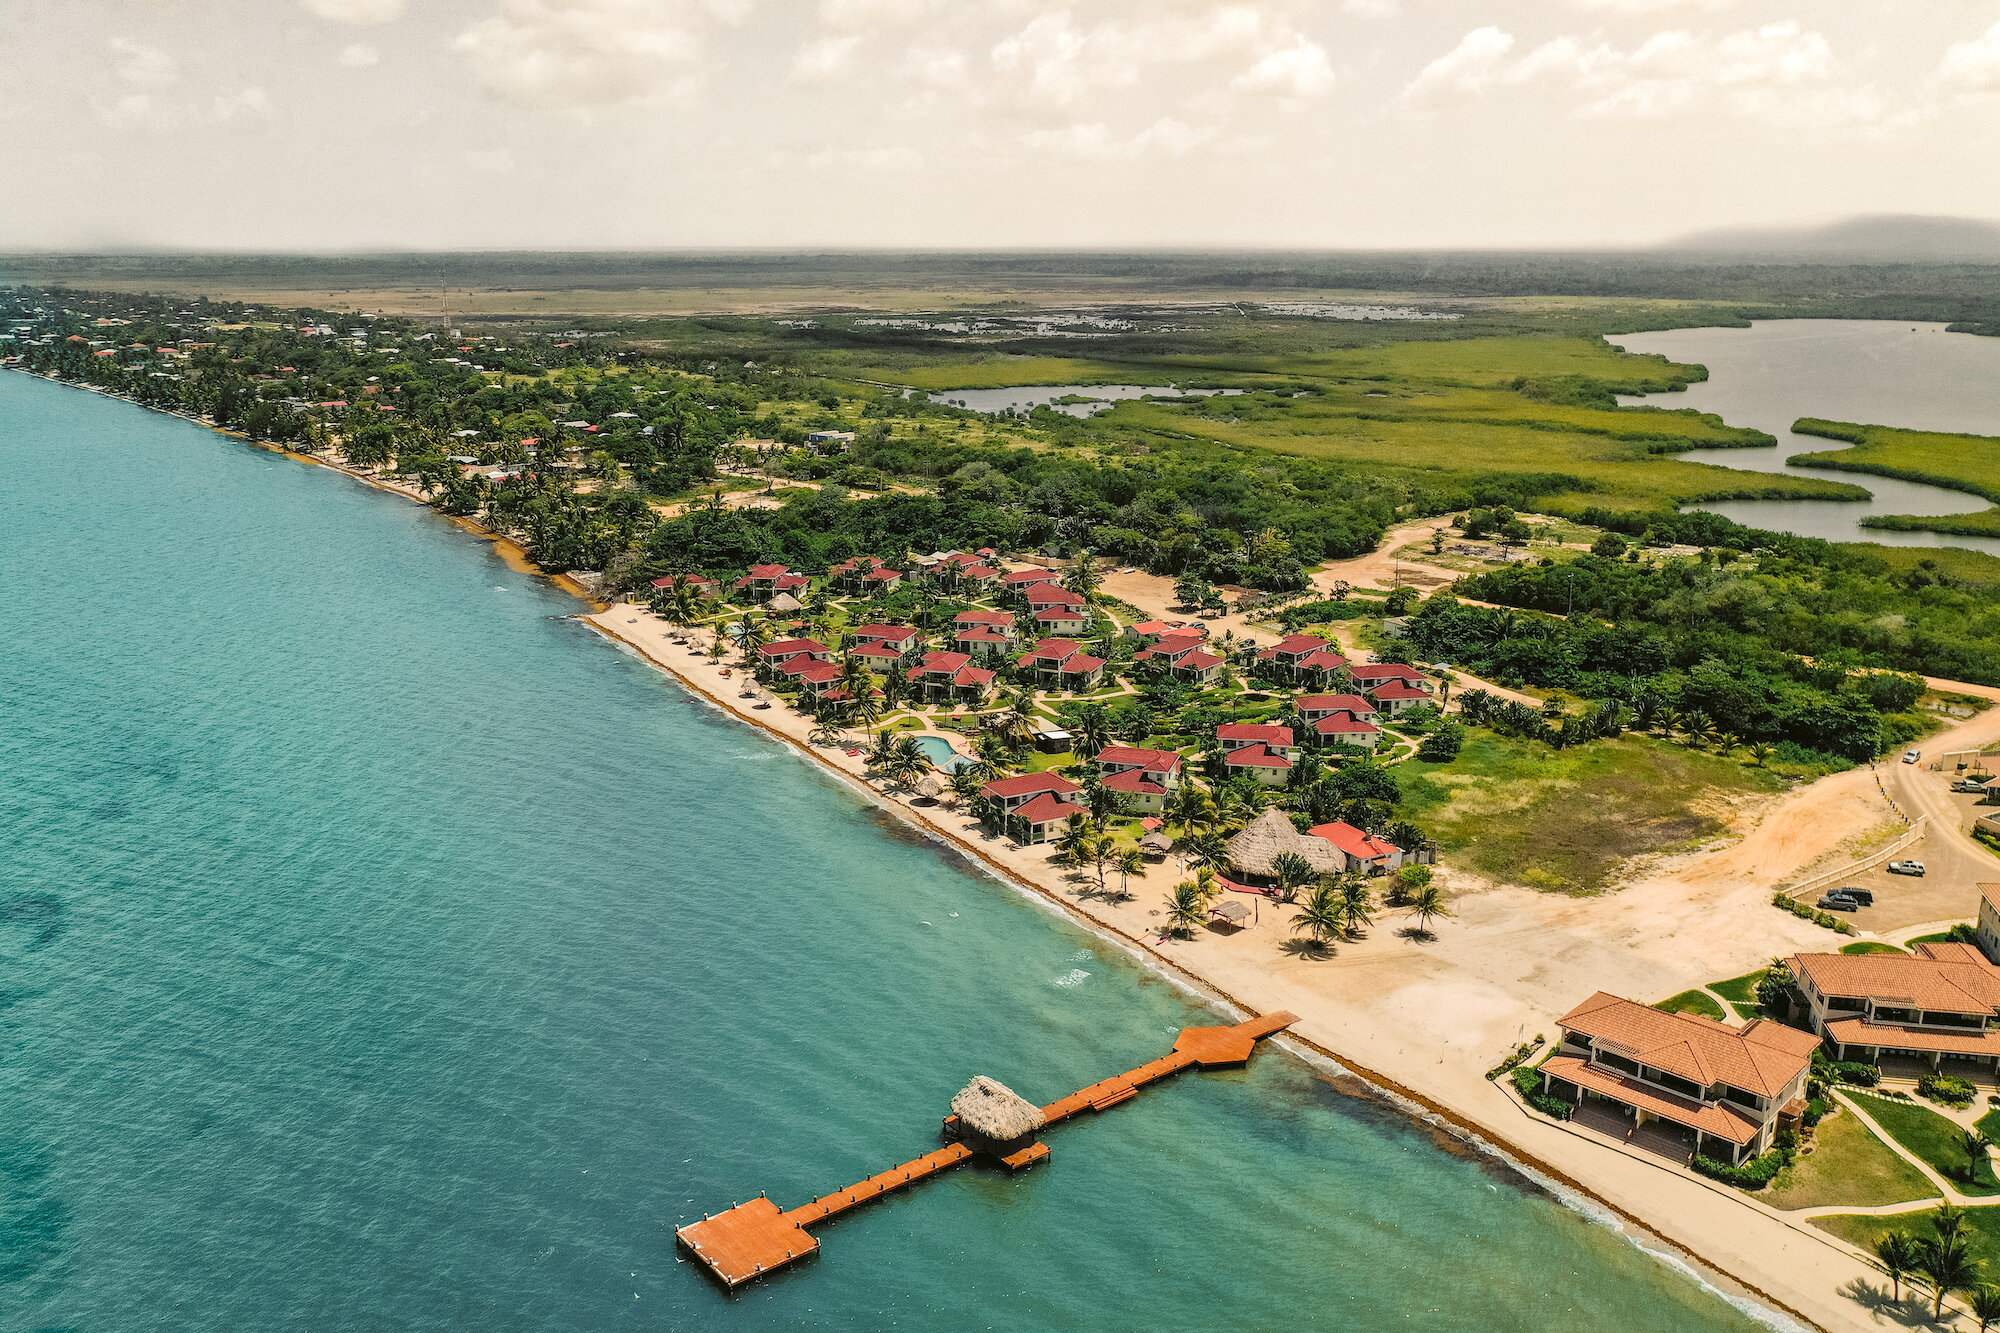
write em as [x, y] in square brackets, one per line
[1692, 1002]
[1740, 990]
[1942, 937]
[1569, 820]
[1869, 946]
[1848, 1165]
[1989, 1125]
[1982, 1230]
[1936, 1140]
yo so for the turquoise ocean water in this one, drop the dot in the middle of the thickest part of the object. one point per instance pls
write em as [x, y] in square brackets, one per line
[380, 949]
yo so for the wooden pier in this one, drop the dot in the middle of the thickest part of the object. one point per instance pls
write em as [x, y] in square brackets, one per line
[757, 1237]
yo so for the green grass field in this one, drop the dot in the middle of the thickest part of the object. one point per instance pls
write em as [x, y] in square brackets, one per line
[1870, 946]
[1568, 821]
[1847, 1166]
[1936, 1140]
[1982, 1232]
[1692, 1002]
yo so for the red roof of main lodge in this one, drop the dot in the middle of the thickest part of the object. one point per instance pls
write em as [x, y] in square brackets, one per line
[1023, 783]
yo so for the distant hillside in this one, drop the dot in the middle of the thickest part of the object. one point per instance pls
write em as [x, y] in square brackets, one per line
[1885, 236]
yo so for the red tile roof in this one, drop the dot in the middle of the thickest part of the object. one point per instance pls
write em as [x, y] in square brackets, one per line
[765, 571]
[1957, 985]
[1355, 842]
[1023, 577]
[982, 634]
[790, 648]
[1048, 594]
[1339, 724]
[883, 633]
[818, 673]
[877, 649]
[984, 618]
[1255, 756]
[1199, 661]
[946, 663]
[1397, 689]
[1045, 809]
[1761, 1057]
[1333, 703]
[1386, 671]
[1324, 659]
[1251, 731]
[972, 675]
[1064, 615]
[1081, 665]
[1054, 649]
[1858, 1031]
[1128, 756]
[1021, 784]
[1295, 644]
[1133, 780]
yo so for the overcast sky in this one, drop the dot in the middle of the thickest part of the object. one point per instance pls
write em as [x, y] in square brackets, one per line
[330, 124]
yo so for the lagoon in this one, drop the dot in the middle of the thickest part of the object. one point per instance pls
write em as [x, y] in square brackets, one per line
[1872, 371]
[382, 949]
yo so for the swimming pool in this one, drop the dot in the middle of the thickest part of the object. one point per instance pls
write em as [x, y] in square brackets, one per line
[948, 759]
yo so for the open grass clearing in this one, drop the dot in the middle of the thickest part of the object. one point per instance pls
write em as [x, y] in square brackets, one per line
[1982, 1231]
[1939, 1142]
[1571, 821]
[1848, 1165]
[1870, 946]
[1692, 1002]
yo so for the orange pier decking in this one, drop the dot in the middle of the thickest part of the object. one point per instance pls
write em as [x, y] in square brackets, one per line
[757, 1237]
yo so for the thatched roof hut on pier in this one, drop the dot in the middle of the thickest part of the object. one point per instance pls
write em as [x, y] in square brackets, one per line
[993, 1116]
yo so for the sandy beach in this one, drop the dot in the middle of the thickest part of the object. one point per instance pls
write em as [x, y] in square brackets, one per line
[1425, 1020]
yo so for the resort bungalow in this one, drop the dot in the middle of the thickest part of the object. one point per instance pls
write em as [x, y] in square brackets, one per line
[850, 575]
[817, 680]
[786, 652]
[952, 677]
[1037, 805]
[1142, 777]
[1063, 620]
[1152, 631]
[878, 656]
[1395, 688]
[1261, 762]
[1341, 719]
[1181, 654]
[701, 587]
[984, 634]
[765, 581]
[1233, 736]
[1937, 1004]
[1016, 580]
[1042, 597]
[1062, 662]
[1363, 850]
[901, 638]
[1302, 657]
[1712, 1089]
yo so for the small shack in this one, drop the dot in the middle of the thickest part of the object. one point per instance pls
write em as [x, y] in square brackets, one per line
[993, 1118]
[1230, 913]
[1156, 845]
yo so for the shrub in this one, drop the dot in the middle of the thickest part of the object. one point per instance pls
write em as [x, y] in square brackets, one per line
[1949, 1089]
[1754, 1174]
[1529, 1081]
[1816, 1110]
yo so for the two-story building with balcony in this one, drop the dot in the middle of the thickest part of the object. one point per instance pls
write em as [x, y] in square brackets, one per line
[1716, 1090]
[1940, 1003]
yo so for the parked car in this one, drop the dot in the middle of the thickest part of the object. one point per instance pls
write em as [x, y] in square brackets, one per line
[1862, 896]
[1911, 756]
[1906, 867]
[1972, 785]
[1837, 902]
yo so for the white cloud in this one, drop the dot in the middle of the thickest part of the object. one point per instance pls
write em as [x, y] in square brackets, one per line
[243, 102]
[863, 15]
[363, 12]
[358, 56]
[1780, 74]
[1648, 6]
[824, 58]
[142, 66]
[1371, 9]
[573, 54]
[1973, 66]
[1300, 70]
[1166, 136]
[1467, 70]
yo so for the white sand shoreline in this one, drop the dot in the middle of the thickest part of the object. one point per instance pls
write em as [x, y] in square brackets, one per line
[1456, 998]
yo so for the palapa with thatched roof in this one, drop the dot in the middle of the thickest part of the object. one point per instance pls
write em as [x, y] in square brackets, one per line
[929, 786]
[988, 1109]
[784, 601]
[1156, 843]
[1269, 836]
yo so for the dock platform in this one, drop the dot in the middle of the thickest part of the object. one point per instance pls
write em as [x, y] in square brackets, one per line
[755, 1238]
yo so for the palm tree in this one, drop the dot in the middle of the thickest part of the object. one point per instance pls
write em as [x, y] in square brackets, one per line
[905, 761]
[1129, 862]
[1898, 1254]
[1320, 914]
[1290, 870]
[1185, 908]
[854, 675]
[1944, 1262]
[1082, 577]
[1985, 1303]
[1761, 752]
[1190, 810]
[1975, 1145]
[752, 634]
[1089, 729]
[966, 784]
[1100, 851]
[1425, 903]
[1206, 884]
[1357, 905]
[1074, 844]
[827, 727]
